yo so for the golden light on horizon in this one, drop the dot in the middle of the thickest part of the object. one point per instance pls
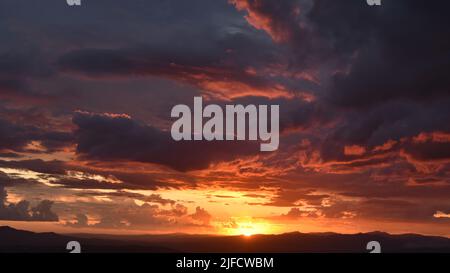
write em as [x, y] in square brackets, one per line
[246, 230]
[249, 229]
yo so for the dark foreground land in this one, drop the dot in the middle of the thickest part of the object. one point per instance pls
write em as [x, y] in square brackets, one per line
[12, 240]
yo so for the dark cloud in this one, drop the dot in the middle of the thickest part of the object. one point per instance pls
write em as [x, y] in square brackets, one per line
[217, 53]
[378, 209]
[9, 181]
[10, 155]
[389, 122]
[177, 210]
[201, 215]
[106, 137]
[132, 216]
[75, 183]
[401, 50]
[429, 147]
[397, 51]
[291, 197]
[16, 64]
[430, 152]
[218, 69]
[284, 21]
[297, 213]
[21, 211]
[220, 59]
[16, 70]
[152, 198]
[279, 19]
[81, 220]
[54, 167]
[384, 210]
[62, 174]
[294, 113]
[16, 137]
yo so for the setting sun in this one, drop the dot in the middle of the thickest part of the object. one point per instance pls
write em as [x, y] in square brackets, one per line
[248, 229]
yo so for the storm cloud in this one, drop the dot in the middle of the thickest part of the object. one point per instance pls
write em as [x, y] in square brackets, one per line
[109, 137]
[22, 211]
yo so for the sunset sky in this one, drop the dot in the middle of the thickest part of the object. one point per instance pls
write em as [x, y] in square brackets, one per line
[86, 94]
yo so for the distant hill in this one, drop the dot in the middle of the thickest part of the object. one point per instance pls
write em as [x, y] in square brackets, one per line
[12, 240]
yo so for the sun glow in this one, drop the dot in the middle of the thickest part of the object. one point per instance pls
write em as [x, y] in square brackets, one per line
[249, 229]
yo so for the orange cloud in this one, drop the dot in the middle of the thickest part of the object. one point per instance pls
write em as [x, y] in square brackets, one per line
[438, 137]
[262, 15]
[354, 150]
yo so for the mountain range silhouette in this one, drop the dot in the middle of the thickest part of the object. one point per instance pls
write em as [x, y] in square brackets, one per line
[20, 241]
